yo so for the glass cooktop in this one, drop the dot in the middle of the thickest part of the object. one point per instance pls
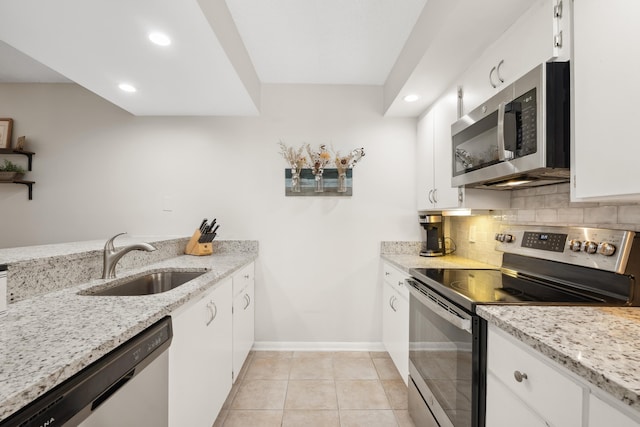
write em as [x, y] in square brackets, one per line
[471, 287]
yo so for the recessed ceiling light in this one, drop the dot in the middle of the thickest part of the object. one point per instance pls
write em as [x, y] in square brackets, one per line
[411, 98]
[126, 87]
[160, 39]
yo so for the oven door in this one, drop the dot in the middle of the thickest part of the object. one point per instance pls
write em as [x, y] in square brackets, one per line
[446, 359]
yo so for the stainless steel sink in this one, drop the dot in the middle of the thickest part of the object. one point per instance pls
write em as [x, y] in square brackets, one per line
[152, 283]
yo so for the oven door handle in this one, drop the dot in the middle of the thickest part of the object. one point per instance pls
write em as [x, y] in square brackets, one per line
[440, 307]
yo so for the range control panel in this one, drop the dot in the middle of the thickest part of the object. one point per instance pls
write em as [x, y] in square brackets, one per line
[590, 247]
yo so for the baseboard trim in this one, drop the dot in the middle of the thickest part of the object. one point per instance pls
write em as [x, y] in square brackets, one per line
[317, 346]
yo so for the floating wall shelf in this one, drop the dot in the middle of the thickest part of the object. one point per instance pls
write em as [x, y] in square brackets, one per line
[29, 155]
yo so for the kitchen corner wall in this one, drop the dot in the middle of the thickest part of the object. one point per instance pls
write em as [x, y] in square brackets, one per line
[100, 171]
[547, 205]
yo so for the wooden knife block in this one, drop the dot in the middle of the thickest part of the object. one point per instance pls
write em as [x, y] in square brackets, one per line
[198, 249]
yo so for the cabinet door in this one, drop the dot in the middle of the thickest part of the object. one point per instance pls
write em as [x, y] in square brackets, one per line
[243, 278]
[606, 59]
[530, 377]
[200, 359]
[527, 43]
[243, 327]
[395, 328]
[601, 414]
[425, 160]
[504, 409]
[446, 112]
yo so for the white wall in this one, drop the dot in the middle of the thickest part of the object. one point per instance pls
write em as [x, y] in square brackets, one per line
[100, 171]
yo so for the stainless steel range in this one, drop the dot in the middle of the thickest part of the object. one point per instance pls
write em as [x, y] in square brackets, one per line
[541, 266]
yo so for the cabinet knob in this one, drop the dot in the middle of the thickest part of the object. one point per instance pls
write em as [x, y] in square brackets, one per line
[386, 273]
[519, 376]
[246, 276]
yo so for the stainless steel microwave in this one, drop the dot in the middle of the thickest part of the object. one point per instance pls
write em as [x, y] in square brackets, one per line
[519, 137]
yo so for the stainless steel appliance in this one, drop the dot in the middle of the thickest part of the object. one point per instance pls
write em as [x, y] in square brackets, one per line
[541, 265]
[121, 388]
[432, 235]
[519, 137]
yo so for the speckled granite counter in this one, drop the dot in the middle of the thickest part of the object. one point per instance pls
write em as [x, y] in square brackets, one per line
[601, 345]
[405, 262]
[46, 339]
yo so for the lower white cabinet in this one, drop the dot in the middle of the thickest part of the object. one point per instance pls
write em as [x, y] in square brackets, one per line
[243, 317]
[200, 358]
[395, 318]
[527, 389]
[603, 414]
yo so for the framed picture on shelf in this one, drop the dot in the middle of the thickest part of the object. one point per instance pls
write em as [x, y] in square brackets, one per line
[5, 132]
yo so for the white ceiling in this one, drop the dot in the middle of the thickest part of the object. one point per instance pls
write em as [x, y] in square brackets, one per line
[223, 51]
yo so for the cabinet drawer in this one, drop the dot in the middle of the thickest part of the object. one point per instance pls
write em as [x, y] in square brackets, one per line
[242, 278]
[546, 390]
[395, 278]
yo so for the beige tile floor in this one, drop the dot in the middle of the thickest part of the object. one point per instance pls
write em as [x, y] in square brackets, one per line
[324, 389]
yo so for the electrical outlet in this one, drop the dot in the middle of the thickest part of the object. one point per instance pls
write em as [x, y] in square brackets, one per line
[472, 234]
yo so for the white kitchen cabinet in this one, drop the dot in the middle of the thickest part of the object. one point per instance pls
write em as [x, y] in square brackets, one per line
[504, 408]
[549, 395]
[540, 389]
[541, 34]
[434, 164]
[200, 358]
[605, 63]
[243, 317]
[395, 318]
[603, 414]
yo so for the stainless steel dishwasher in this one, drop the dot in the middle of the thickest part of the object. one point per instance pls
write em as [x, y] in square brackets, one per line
[126, 387]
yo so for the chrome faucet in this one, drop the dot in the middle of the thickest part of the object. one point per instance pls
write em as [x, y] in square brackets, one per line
[111, 256]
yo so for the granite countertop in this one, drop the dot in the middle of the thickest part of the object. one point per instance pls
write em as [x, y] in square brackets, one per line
[405, 262]
[601, 345]
[46, 339]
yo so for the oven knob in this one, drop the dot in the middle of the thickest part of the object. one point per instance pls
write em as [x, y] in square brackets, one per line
[509, 238]
[590, 247]
[606, 249]
[575, 245]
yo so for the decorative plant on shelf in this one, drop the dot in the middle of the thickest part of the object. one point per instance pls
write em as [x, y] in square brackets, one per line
[10, 171]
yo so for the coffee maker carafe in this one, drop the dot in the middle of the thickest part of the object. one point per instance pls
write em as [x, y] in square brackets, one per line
[432, 235]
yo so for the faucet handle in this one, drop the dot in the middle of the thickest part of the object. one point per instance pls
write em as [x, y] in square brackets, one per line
[109, 245]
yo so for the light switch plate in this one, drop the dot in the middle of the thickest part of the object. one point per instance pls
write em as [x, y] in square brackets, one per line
[472, 234]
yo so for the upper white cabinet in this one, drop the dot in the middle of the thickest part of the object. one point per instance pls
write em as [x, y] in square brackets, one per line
[434, 164]
[606, 60]
[434, 189]
[200, 358]
[540, 35]
[243, 316]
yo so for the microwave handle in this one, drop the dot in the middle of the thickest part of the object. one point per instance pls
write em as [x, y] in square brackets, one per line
[501, 108]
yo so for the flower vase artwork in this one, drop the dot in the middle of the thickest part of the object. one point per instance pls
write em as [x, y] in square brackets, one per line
[343, 163]
[318, 160]
[297, 161]
[311, 171]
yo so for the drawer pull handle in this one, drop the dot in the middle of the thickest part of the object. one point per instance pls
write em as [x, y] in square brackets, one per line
[519, 376]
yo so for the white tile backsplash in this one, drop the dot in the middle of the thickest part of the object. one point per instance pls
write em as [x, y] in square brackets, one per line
[547, 205]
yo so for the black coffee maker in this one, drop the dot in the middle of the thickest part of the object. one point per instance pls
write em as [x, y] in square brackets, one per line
[432, 235]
